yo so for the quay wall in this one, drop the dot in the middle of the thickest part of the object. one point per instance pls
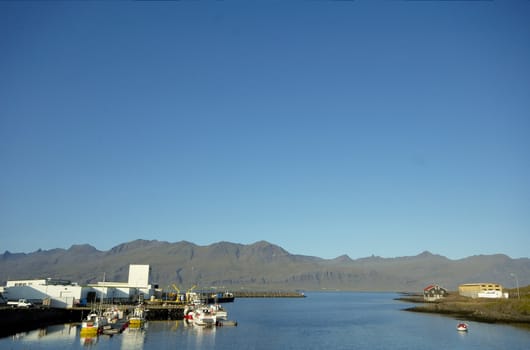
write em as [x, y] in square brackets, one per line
[13, 320]
[162, 313]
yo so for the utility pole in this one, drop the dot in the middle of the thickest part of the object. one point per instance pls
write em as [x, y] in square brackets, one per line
[516, 284]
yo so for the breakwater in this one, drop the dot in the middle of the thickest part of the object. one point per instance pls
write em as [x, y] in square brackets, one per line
[268, 294]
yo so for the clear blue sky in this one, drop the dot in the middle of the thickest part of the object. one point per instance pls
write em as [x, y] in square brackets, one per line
[328, 128]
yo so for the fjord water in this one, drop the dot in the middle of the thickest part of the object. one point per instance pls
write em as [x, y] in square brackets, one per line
[320, 321]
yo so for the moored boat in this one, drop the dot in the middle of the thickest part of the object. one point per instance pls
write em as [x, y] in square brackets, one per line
[207, 315]
[203, 316]
[199, 315]
[113, 314]
[109, 330]
[137, 319]
[226, 297]
[93, 324]
[218, 312]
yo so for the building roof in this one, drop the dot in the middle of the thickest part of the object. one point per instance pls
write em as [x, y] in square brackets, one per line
[432, 286]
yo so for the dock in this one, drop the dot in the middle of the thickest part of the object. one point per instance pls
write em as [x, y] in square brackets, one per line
[14, 320]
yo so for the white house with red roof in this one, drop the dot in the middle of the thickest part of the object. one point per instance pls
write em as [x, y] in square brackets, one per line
[434, 292]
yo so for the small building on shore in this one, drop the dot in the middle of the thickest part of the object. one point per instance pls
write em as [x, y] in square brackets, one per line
[434, 292]
[481, 290]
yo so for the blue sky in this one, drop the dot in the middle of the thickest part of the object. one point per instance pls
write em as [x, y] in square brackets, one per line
[328, 128]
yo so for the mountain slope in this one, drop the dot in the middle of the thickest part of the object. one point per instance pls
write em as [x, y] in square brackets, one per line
[260, 265]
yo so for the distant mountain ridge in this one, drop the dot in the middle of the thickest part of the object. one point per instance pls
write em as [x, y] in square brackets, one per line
[260, 265]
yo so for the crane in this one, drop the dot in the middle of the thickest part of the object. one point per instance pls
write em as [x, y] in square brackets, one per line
[177, 298]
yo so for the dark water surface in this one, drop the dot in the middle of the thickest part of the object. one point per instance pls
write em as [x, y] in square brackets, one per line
[320, 321]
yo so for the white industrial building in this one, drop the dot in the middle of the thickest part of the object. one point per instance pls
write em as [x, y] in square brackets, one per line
[65, 294]
[60, 293]
[136, 288]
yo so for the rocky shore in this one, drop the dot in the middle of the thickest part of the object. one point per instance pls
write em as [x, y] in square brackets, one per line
[513, 311]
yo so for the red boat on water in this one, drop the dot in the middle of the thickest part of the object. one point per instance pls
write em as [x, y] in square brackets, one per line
[462, 327]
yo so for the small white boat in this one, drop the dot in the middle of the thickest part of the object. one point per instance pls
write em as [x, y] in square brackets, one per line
[113, 314]
[109, 330]
[203, 316]
[219, 312]
[462, 327]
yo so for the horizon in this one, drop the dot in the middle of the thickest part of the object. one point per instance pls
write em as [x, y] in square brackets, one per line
[330, 128]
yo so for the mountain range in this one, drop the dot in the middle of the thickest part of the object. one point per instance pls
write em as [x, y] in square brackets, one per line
[260, 266]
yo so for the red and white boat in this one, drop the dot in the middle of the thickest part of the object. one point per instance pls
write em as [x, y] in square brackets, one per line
[462, 327]
[200, 316]
[203, 317]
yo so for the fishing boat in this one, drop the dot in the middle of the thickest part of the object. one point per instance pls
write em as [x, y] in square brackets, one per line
[226, 297]
[113, 314]
[137, 319]
[93, 324]
[462, 327]
[199, 315]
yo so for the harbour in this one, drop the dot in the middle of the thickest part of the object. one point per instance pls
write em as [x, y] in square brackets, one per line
[15, 320]
[336, 320]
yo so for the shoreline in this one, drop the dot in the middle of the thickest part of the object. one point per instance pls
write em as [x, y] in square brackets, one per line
[505, 311]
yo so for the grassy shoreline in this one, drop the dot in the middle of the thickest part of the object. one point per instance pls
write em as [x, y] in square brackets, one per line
[508, 311]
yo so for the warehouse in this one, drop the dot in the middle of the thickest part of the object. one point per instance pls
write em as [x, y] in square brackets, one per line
[481, 290]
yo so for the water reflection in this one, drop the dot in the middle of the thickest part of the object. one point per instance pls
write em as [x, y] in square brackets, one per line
[201, 336]
[88, 341]
[462, 334]
[133, 338]
[64, 333]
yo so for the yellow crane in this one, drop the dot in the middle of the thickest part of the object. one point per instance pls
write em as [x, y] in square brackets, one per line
[177, 297]
[190, 295]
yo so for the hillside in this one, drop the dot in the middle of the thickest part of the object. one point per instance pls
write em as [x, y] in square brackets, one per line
[260, 265]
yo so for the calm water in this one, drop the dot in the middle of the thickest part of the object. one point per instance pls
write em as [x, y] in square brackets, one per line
[320, 321]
